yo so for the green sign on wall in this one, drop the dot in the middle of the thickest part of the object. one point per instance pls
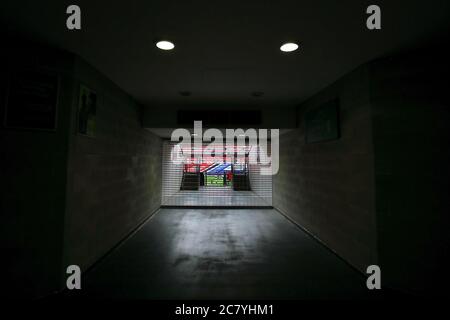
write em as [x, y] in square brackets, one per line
[322, 123]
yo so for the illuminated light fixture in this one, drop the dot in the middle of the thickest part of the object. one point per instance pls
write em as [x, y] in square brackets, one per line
[289, 47]
[165, 45]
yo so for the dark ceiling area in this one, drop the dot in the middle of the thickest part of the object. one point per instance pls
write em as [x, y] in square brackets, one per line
[228, 52]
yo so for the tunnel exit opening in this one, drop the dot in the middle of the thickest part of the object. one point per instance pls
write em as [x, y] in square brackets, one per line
[214, 179]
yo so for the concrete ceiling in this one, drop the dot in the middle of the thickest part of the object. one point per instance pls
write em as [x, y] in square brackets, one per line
[226, 50]
[167, 132]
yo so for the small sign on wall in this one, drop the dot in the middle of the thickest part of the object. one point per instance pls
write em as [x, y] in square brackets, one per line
[322, 123]
[32, 100]
[87, 110]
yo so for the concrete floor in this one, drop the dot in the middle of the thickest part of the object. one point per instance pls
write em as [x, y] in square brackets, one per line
[222, 254]
[216, 196]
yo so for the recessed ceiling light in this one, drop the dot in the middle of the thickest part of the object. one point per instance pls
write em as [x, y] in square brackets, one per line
[289, 47]
[165, 45]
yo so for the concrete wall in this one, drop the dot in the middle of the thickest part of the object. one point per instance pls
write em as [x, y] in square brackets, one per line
[33, 180]
[66, 198]
[157, 116]
[328, 187]
[114, 178]
[172, 173]
[261, 184]
[379, 194]
[411, 115]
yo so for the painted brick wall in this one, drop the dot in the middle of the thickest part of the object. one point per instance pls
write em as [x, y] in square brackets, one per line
[114, 177]
[260, 184]
[328, 187]
[172, 173]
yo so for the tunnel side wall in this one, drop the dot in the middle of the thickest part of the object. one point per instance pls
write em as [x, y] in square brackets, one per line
[33, 167]
[328, 187]
[411, 115]
[114, 177]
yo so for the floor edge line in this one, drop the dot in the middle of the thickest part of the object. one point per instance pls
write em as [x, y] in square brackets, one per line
[121, 242]
[318, 240]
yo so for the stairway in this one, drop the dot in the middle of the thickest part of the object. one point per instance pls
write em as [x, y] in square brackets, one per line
[241, 182]
[190, 181]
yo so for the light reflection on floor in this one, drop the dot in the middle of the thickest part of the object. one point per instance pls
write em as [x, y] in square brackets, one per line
[187, 253]
[216, 196]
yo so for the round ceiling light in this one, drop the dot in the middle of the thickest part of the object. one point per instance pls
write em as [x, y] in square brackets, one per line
[289, 47]
[165, 45]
